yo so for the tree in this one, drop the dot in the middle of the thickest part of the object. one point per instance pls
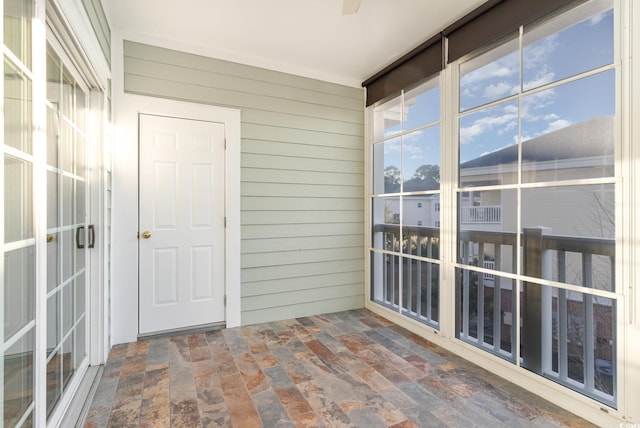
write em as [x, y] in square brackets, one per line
[426, 177]
[392, 179]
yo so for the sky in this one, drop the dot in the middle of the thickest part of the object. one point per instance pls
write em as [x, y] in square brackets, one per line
[549, 55]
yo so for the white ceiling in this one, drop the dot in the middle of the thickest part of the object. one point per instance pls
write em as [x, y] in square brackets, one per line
[305, 37]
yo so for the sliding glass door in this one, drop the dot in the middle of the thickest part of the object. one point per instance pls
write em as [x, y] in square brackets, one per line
[46, 189]
[68, 235]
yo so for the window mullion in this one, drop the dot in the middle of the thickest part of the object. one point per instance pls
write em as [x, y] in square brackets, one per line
[449, 101]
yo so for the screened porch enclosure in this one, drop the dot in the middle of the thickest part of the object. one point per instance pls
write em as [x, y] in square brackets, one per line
[518, 234]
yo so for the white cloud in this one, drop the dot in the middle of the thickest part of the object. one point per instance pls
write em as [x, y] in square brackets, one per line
[537, 54]
[497, 91]
[392, 147]
[414, 136]
[557, 124]
[535, 102]
[504, 67]
[595, 20]
[485, 124]
[511, 108]
[541, 79]
[411, 149]
[552, 126]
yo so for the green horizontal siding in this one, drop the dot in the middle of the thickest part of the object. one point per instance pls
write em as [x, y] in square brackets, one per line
[284, 285]
[302, 176]
[299, 230]
[264, 203]
[301, 270]
[266, 246]
[100, 25]
[158, 55]
[302, 309]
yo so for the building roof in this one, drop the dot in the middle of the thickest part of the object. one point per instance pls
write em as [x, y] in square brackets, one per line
[588, 139]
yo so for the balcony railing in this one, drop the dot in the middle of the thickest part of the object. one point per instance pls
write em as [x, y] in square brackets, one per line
[419, 298]
[481, 215]
[565, 335]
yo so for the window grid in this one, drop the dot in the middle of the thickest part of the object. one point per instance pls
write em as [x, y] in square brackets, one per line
[588, 367]
[405, 242]
[576, 285]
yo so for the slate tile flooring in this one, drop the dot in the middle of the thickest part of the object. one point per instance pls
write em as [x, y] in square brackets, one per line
[348, 369]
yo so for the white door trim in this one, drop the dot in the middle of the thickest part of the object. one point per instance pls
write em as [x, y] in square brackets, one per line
[124, 307]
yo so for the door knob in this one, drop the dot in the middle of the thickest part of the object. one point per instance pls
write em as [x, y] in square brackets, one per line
[146, 234]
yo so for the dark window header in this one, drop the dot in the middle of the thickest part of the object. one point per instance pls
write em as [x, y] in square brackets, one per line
[419, 64]
[489, 22]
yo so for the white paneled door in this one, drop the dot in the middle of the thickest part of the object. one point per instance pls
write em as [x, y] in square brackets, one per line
[181, 224]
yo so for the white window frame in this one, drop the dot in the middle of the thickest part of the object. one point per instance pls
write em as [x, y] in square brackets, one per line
[627, 165]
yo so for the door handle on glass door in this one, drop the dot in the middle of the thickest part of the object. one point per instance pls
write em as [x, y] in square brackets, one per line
[78, 244]
[92, 236]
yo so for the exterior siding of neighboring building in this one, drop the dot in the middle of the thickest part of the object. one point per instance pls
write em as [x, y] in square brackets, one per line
[302, 177]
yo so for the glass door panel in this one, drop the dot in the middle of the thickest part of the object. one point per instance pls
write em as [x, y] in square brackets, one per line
[17, 107]
[64, 191]
[66, 347]
[17, 343]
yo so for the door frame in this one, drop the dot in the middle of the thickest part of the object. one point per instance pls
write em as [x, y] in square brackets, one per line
[125, 272]
[183, 309]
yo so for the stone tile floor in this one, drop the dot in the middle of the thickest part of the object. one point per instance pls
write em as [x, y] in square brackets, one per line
[349, 369]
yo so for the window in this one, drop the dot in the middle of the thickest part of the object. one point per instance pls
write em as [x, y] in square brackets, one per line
[406, 165]
[529, 200]
[541, 127]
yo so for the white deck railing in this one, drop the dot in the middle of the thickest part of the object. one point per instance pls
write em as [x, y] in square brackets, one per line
[550, 345]
[481, 215]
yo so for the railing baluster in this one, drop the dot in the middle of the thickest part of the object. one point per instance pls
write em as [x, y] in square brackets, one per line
[429, 289]
[480, 296]
[589, 342]
[392, 270]
[497, 300]
[408, 275]
[419, 240]
[515, 314]
[385, 273]
[465, 290]
[563, 368]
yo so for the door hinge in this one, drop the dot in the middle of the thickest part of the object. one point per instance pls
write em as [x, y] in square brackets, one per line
[225, 300]
[225, 222]
[225, 144]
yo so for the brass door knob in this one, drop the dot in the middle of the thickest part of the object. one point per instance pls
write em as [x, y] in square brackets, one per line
[146, 234]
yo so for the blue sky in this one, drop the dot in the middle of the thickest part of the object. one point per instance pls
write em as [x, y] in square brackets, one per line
[582, 47]
[496, 75]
